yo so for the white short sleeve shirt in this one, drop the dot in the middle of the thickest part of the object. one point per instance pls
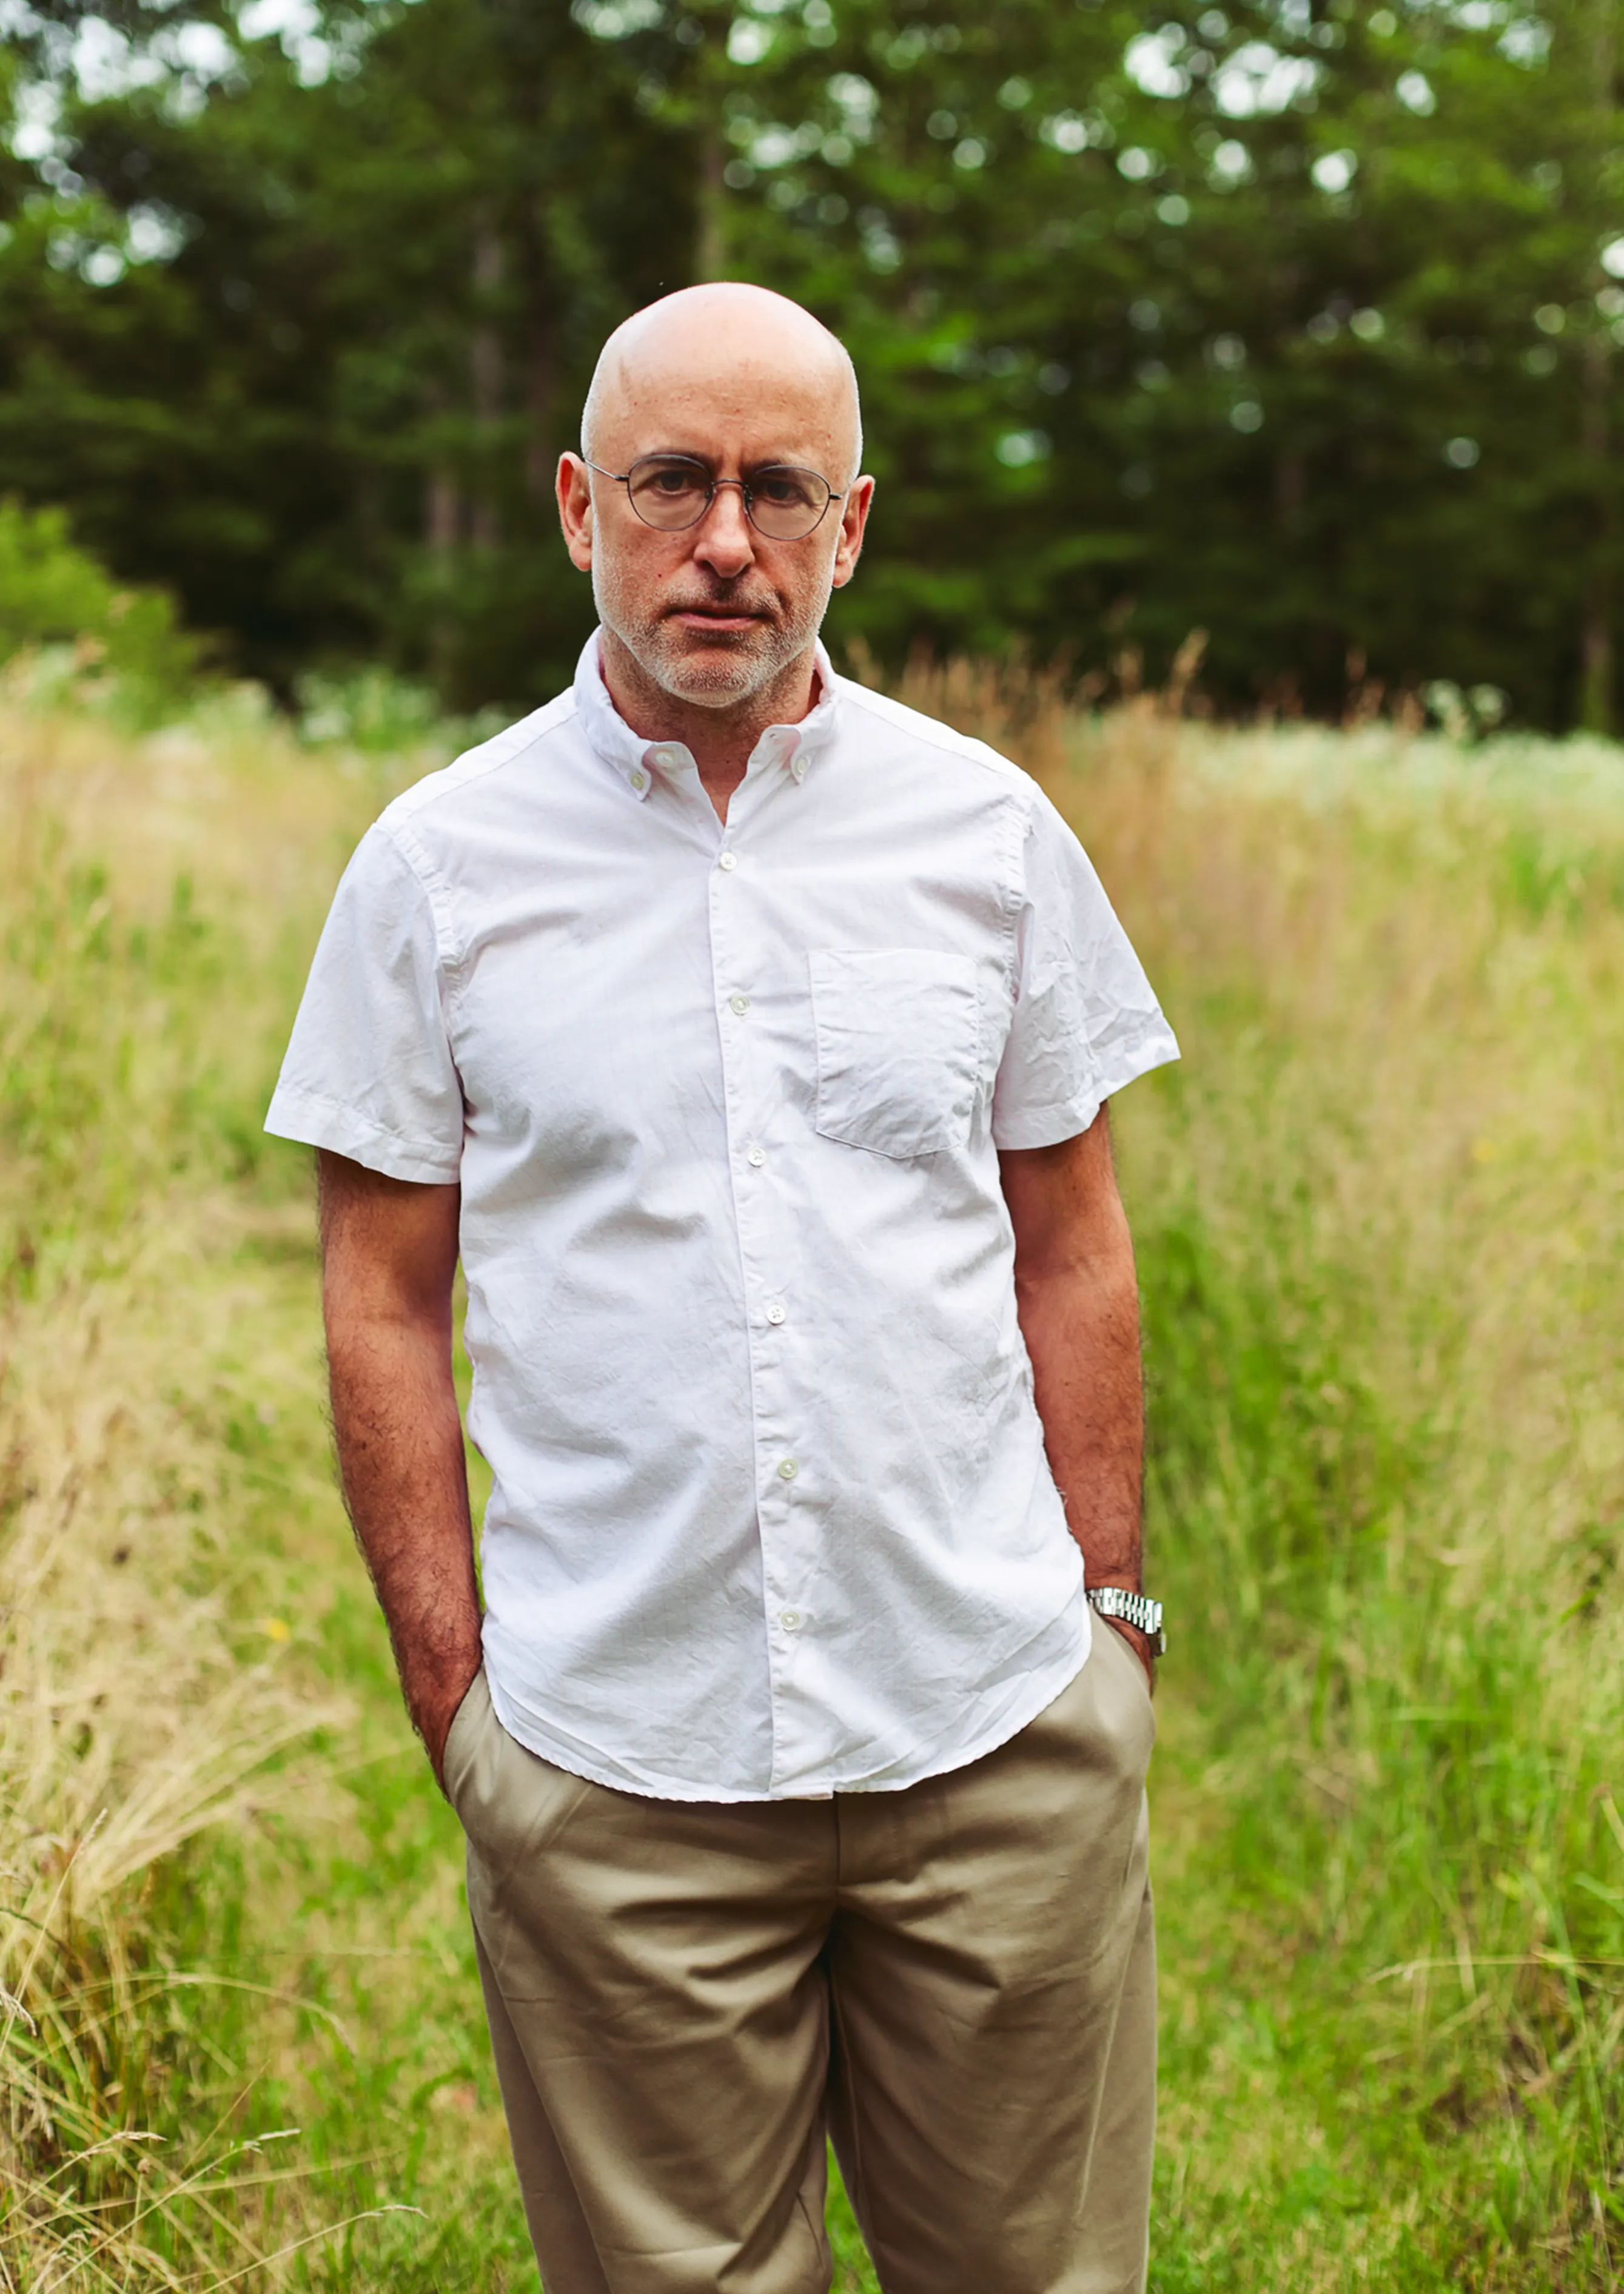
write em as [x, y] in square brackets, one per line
[771, 1514]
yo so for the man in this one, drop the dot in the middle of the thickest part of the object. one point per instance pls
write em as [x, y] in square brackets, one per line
[747, 1036]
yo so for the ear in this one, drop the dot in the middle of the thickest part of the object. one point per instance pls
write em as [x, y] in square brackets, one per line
[854, 520]
[574, 487]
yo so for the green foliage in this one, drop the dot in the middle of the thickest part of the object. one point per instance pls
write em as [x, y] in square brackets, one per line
[87, 635]
[1377, 1578]
[1289, 320]
[370, 710]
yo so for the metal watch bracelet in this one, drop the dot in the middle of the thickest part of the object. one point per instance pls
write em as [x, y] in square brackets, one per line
[1135, 1609]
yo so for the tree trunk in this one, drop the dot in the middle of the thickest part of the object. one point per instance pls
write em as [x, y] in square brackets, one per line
[541, 356]
[538, 408]
[486, 369]
[711, 249]
[1288, 489]
[1596, 641]
[1596, 696]
[441, 513]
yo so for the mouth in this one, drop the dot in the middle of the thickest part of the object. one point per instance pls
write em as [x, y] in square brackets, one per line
[717, 620]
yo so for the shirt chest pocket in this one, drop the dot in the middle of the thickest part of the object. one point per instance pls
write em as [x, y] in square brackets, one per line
[899, 1049]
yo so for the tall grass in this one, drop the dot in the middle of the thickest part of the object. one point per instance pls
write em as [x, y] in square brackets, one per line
[155, 904]
[1379, 1217]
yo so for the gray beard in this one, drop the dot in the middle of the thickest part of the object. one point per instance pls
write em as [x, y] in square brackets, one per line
[751, 662]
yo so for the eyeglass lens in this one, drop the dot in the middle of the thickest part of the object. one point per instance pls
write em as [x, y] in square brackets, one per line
[785, 503]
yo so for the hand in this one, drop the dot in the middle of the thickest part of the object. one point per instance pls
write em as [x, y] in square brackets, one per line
[431, 1717]
[1140, 1643]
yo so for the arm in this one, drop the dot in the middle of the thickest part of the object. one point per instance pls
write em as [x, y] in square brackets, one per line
[1078, 1302]
[388, 1256]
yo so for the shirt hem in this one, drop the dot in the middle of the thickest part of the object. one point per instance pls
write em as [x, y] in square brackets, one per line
[1046, 1127]
[310, 1121]
[1050, 1680]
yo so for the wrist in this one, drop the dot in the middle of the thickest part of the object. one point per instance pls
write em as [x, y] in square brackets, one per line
[434, 1699]
[436, 1730]
[1125, 1606]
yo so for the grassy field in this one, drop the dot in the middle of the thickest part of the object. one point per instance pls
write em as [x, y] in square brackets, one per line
[1380, 1213]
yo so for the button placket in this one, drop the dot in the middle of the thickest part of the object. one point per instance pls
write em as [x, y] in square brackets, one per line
[736, 955]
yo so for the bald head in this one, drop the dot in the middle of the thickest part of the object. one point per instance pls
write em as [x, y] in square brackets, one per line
[710, 352]
[718, 614]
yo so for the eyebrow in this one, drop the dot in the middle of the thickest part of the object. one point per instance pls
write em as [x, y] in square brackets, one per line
[708, 461]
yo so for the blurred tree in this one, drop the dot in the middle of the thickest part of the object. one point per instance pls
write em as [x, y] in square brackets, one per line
[117, 646]
[307, 351]
[1291, 321]
[1293, 327]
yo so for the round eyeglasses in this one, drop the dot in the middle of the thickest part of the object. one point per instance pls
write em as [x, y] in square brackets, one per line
[673, 491]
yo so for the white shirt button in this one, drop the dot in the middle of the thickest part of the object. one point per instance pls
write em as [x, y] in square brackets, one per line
[728, 860]
[739, 1004]
[799, 769]
[639, 781]
[672, 757]
[776, 1311]
[788, 1470]
[790, 1620]
[755, 1157]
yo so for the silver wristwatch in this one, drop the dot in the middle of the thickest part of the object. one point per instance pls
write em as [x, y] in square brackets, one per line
[1135, 1609]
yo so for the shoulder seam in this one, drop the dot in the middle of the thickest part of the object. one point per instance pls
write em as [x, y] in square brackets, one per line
[436, 892]
[398, 821]
[933, 733]
[510, 746]
[1016, 786]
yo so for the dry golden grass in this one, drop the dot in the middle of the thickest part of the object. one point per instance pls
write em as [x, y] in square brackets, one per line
[1389, 1507]
[1381, 1215]
[146, 1682]
[129, 1714]
[1437, 1054]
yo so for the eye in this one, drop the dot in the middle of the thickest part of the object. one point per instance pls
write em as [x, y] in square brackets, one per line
[786, 488]
[669, 481]
[673, 482]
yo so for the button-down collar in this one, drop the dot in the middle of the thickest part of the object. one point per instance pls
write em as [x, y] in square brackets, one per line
[790, 747]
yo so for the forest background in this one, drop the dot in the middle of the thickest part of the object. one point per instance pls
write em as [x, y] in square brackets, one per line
[1294, 325]
[1294, 320]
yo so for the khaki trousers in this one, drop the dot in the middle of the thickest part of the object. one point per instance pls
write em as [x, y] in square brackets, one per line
[956, 1981]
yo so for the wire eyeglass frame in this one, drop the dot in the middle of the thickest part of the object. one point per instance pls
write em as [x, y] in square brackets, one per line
[747, 487]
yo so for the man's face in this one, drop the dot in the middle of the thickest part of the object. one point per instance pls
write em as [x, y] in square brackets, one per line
[715, 613]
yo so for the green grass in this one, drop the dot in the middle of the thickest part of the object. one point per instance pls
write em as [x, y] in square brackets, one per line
[1379, 1224]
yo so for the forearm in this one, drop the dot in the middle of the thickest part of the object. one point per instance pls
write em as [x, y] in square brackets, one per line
[398, 1439]
[1081, 1325]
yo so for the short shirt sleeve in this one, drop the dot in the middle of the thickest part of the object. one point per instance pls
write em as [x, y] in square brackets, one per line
[370, 1071]
[1085, 1021]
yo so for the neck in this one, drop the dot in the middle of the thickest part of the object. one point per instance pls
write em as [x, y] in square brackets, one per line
[722, 740]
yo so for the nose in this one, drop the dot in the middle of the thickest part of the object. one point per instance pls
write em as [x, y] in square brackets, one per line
[723, 538]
